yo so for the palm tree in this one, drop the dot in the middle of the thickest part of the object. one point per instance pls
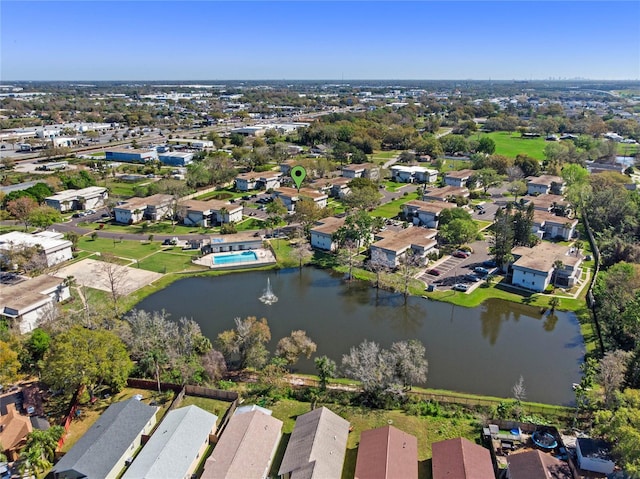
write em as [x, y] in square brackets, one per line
[557, 266]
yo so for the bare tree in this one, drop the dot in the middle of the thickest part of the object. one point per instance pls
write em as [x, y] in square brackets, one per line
[611, 371]
[377, 264]
[407, 271]
[519, 391]
[297, 343]
[116, 277]
[302, 251]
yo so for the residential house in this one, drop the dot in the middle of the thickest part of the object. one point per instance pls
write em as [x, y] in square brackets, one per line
[460, 178]
[131, 155]
[550, 203]
[387, 453]
[545, 184]
[322, 233]
[535, 464]
[290, 196]
[460, 458]
[317, 446]
[246, 448]
[339, 187]
[534, 269]
[413, 174]
[446, 193]
[85, 198]
[594, 455]
[14, 428]
[393, 246]
[549, 226]
[361, 170]
[209, 213]
[104, 450]
[26, 301]
[176, 158]
[134, 210]
[425, 213]
[176, 447]
[256, 180]
[53, 249]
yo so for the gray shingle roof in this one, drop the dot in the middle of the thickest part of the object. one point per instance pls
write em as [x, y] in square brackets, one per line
[317, 446]
[174, 445]
[96, 453]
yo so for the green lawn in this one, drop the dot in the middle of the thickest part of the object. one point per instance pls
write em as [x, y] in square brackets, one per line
[248, 224]
[122, 188]
[123, 249]
[223, 194]
[384, 155]
[169, 262]
[511, 145]
[392, 209]
[214, 406]
[162, 227]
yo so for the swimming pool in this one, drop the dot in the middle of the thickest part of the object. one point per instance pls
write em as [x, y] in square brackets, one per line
[239, 257]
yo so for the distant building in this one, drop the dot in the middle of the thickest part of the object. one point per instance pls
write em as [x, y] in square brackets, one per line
[85, 198]
[549, 226]
[255, 180]
[387, 453]
[545, 184]
[425, 213]
[290, 196]
[176, 447]
[459, 178]
[192, 143]
[446, 193]
[131, 155]
[176, 158]
[53, 248]
[110, 442]
[362, 170]
[209, 213]
[25, 301]
[413, 174]
[134, 210]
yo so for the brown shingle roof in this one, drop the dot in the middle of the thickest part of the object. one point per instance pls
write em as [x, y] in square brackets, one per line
[387, 453]
[542, 256]
[403, 239]
[446, 191]
[535, 464]
[459, 458]
[15, 428]
[246, 447]
[544, 180]
[328, 225]
[460, 174]
[215, 205]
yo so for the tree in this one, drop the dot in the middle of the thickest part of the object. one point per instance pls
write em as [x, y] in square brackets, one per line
[44, 216]
[177, 189]
[39, 451]
[21, 209]
[411, 365]
[247, 341]
[326, 369]
[501, 241]
[611, 373]
[307, 213]
[38, 343]
[9, 364]
[529, 166]
[116, 277]
[85, 357]
[488, 178]
[369, 364]
[486, 145]
[275, 212]
[407, 271]
[459, 231]
[302, 251]
[365, 198]
[517, 188]
[297, 343]
[356, 230]
[519, 391]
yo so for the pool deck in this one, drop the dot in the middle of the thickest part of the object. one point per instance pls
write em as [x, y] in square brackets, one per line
[265, 257]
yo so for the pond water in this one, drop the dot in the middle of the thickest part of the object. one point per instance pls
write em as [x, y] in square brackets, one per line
[481, 350]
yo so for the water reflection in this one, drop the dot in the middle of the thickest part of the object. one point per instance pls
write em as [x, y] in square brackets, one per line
[482, 350]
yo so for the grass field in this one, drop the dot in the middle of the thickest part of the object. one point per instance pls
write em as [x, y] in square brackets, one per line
[169, 262]
[123, 249]
[392, 209]
[511, 145]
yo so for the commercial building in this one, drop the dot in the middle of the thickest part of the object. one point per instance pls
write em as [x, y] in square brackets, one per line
[131, 155]
[85, 198]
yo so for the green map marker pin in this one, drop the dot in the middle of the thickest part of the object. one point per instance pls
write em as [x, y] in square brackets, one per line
[298, 174]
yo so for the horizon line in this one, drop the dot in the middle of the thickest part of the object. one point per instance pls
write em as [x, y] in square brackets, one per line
[337, 80]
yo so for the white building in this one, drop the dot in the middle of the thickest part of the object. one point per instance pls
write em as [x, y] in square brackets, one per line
[390, 250]
[209, 213]
[85, 198]
[413, 174]
[534, 267]
[545, 184]
[322, 233]
[26, 301]
[425, 213]
[361, 170]
[135, 209]
[458, 178]
[290, 196]
[549, 226]
[53, 248]
[255, 180]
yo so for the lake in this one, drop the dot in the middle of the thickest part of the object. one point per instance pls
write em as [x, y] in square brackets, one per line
[481, 350]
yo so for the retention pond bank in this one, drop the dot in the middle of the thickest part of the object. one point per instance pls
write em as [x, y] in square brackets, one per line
[481, 350]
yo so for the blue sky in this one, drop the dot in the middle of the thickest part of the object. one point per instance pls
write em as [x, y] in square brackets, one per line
[215, 40]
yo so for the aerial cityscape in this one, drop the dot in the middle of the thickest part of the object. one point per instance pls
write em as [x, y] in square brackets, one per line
[320, 240]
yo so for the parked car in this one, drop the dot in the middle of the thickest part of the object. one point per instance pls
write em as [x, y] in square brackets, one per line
[460, 287]
[434, 272]
[472, 277]
[461, 254]
[480, 270]
[489, 263]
